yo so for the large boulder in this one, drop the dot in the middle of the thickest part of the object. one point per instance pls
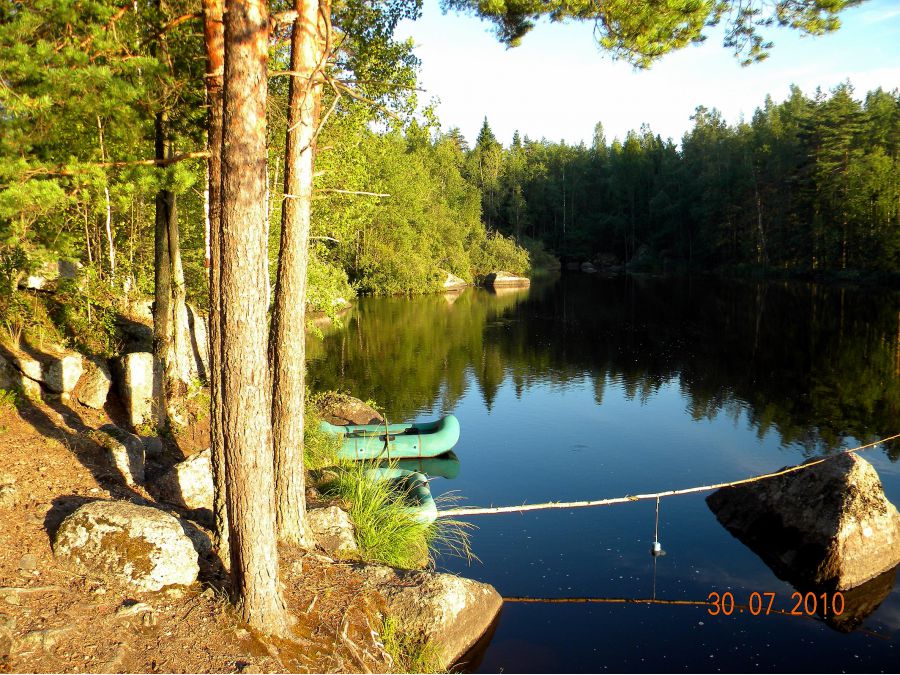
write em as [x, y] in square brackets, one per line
[144, 547]
[12, 379]
[333, 531]
[124, 451]
[505, 279]
[93, 387]
[188, 484]
[344, 409]
[829, 525]
[450, 612]
[140, 384]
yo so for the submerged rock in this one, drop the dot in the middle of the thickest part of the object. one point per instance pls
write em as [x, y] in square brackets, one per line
[333, 531]
[450, 612]
[830, 525]
[144, 547]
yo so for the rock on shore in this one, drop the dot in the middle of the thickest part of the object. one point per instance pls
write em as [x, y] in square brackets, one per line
[450, 612]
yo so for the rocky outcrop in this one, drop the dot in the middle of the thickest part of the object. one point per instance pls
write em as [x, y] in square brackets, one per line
[188, 484]
[450, 612]
[344, 409]
[58, 371]
[505, 279]
[829, 525]
[333, 531]
[12, 379]
[144, 547]
[124, 451]
[93, 386]
[139, 385]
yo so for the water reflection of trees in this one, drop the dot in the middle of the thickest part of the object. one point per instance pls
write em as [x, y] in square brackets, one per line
[815, 364]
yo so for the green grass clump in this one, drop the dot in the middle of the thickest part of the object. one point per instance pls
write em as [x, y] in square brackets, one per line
[386, 531]
[9, 400]
[410, 654]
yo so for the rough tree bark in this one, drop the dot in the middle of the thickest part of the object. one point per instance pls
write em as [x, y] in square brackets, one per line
[213, 33]
[245, 384]
[287, 339]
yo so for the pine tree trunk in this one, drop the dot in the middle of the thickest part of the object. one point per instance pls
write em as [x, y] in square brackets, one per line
[287, 338]
[214, 36]
[246, 392]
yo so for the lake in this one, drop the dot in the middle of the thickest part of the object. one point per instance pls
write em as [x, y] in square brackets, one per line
[586, 388]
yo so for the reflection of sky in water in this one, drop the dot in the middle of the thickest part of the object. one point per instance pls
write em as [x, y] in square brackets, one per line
[561, 436]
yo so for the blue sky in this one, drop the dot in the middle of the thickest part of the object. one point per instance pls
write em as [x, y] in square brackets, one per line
[558, 85]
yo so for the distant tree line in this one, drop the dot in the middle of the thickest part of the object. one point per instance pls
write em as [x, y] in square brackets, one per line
[809, 184]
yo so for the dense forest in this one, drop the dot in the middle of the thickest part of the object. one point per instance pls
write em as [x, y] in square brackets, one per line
[809, 184]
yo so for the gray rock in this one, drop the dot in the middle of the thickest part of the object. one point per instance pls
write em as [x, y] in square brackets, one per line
[343, 409]
[140, 386]
[143, 547]
[828, 525]
[188, 484]
[93, 387]
[153, 446]
[333, 531]
[124, 451]
[61, 373]
[450, 612]
[588, 268]
[453, 282]
[505, 279]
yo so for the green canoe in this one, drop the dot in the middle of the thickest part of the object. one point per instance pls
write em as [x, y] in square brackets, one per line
[414, 488]
[373, 441]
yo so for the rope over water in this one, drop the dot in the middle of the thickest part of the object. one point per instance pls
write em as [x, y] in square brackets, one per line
[477, 511]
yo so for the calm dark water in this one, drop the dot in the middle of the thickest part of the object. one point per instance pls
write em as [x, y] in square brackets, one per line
[585, 388]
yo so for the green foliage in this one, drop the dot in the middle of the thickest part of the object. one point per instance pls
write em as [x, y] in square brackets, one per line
[410, 653]
[641, 31]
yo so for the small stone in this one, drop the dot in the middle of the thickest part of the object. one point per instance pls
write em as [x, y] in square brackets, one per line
[100, 590]
[208, 593]
[124, 451]
[131, 608]
[175, 593]
[11, 599]
[28, 562]
[333, 531]
[43, 639]
[9, 496]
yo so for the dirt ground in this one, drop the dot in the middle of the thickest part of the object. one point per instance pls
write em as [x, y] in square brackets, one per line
[55, 618]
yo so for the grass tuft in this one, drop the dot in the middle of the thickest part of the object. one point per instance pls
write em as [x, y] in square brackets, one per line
[410, 653]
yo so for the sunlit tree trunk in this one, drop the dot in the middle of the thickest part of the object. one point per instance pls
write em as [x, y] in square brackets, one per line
[287, 339]
[213, 32]
[245, 383]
